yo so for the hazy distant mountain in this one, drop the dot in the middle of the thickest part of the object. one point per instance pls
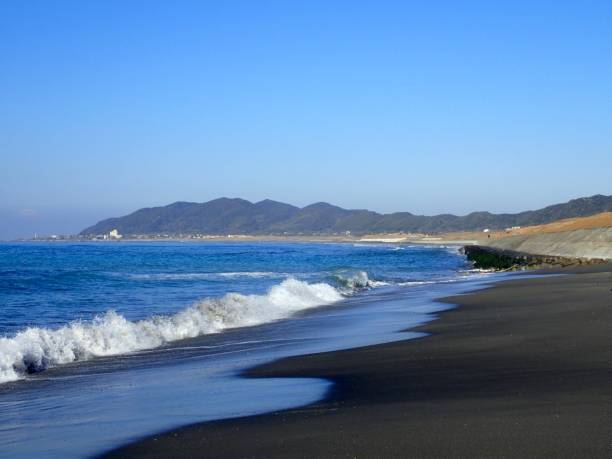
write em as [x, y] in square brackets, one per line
[237, 216]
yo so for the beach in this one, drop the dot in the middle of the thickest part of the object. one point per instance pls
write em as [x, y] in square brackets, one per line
[306, 230]
[520, 369]
[155, 336]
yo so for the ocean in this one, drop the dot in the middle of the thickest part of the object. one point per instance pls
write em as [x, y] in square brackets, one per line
[103, 343]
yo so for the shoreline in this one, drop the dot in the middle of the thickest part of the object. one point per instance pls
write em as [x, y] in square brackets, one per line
[134, 395]
[519, 369]
[260, 239]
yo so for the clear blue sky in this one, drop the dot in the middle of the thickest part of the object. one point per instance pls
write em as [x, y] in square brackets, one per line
[428, 107]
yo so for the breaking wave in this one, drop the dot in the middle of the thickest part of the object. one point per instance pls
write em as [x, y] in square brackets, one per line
[36, 349]
[357, 280]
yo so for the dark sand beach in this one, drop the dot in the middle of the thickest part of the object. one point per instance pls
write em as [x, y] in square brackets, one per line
[521, 369]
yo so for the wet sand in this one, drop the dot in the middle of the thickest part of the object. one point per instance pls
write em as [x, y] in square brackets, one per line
[521, 369]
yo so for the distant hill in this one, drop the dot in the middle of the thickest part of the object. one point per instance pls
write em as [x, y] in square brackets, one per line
[238, 216]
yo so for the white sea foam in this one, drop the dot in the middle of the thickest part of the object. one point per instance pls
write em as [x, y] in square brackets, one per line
[477, 271]
[410, 283]
[36, 349]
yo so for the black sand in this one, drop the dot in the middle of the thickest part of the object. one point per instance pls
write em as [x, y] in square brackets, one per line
[523, 369]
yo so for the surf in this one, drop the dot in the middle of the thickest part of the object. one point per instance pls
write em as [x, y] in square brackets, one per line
[38, 348]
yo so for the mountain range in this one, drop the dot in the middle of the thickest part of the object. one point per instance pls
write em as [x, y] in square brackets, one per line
[238, 216]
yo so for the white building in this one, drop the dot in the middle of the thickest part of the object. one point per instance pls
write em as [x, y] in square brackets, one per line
[114, 234]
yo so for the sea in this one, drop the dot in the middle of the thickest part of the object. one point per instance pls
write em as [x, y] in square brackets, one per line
[105, 343]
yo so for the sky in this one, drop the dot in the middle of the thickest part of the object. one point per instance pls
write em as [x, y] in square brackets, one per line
[421, 106]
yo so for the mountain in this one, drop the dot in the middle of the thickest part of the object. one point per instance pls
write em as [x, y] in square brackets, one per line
[238, 216]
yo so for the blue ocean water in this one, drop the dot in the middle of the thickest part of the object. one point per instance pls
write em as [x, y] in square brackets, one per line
[51, 284]
[70, 302]
[102, 343]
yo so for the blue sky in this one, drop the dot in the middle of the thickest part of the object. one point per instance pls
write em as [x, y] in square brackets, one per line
[426, 107]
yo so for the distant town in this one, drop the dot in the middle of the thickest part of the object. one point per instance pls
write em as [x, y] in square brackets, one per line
[114, 235]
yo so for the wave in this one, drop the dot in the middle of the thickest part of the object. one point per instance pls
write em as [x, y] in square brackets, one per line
[355, 280]
[477, 271]
[36, 349]
[415, 282]
[199, 276]
[255, 274]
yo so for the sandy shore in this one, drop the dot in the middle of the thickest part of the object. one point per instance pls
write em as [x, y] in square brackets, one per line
[522, 369]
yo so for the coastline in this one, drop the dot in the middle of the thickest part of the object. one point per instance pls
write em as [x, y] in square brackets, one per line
[307, 239]
[88, 406]
[521, 368]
